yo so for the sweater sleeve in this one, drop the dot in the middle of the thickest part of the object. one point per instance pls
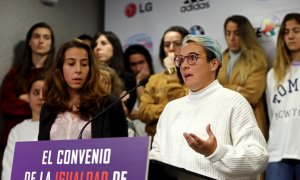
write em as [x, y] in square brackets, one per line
[8, 155]
[247, 156]
[270, 85]
[11, 105]
[156, 151]
[254, 86]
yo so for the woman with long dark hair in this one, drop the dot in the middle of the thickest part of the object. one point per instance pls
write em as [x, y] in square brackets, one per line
[166, 85]
[37, 58]
[74, 95]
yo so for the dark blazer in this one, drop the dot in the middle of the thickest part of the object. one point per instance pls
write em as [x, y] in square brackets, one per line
[112, 123]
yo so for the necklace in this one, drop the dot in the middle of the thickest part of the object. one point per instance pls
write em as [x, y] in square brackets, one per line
[295, 63]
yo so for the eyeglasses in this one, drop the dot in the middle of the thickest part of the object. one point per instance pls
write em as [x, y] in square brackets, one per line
[191, 59]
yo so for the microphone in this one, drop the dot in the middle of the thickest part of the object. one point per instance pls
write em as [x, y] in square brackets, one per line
[141, 83]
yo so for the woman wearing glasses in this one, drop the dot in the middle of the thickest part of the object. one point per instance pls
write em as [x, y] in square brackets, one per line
[211, 131]
[166, 85]
[245, 66]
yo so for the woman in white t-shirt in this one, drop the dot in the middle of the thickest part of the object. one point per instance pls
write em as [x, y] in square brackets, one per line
[283, 103]
[28, 129]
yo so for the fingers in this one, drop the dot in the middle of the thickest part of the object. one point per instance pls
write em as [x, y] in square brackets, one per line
[171, 54]
[187, 137]
[205, 147]
[169, 61]
[143, 73]
[125, 98]
[192, 139]
[196, 138]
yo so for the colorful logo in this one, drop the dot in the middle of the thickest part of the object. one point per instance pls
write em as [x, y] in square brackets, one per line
[142, 39]
[270, 25]
[130, 10]
[197, 30]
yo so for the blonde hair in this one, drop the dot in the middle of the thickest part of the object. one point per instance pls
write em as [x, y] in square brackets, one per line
[109, 77]
[283, 56]
[252, 55]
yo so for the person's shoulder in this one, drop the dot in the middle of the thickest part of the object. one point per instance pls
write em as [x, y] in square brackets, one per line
[155, 78]
[176, 102]
[157, 75]
[109, 99]
[47, 108]
[21, 125]
[11, 72]
[128, 77]
[228, 94]
[270, 79]
[270, 72]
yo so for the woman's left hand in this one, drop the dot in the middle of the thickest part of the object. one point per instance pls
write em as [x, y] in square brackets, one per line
[205, 147]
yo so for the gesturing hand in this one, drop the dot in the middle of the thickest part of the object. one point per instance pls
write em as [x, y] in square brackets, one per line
[205, 147]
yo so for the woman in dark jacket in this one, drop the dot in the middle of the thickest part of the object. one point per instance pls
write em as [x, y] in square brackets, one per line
[73, 96]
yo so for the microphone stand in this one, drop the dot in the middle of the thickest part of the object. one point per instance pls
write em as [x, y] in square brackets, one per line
[141, 83]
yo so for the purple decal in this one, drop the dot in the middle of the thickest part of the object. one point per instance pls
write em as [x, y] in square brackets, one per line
[103, 159]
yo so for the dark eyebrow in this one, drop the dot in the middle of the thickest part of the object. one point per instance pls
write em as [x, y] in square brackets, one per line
[85, 59]
[193, 53]
[70, 59]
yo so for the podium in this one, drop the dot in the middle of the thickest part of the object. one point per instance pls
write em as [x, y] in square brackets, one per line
[162, 171]
[87, 159]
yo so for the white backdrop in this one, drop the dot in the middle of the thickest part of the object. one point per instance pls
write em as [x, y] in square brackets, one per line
[144, 21]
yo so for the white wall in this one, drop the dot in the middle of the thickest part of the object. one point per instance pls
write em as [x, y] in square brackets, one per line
[68, 18]
[153, 17]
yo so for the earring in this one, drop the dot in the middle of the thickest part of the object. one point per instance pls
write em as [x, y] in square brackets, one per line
[212, 70]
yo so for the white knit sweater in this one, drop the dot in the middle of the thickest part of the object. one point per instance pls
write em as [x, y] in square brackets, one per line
[241, 148]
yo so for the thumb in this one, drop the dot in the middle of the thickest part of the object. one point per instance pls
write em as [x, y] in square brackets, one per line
[208, 130]
[171, 54]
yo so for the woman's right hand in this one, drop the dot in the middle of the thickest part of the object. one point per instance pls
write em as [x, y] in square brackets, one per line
[144, 73]
[169, 61]
[24, 97]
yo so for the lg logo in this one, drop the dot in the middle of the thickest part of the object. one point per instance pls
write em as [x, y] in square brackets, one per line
[131, 9]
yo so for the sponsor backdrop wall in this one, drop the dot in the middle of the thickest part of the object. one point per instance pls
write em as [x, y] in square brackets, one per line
[144, 21]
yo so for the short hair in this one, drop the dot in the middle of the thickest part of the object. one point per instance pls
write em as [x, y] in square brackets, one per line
[209, 44]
